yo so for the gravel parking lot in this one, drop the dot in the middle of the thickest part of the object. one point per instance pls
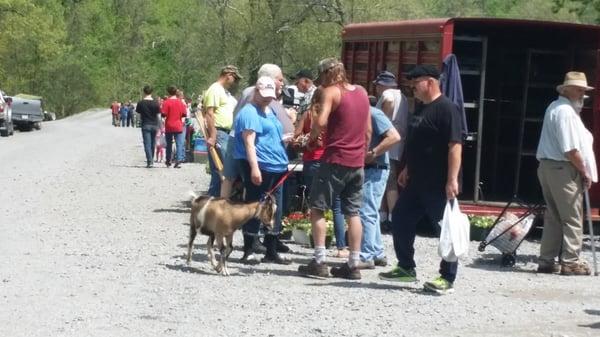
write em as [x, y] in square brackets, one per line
[92, 244]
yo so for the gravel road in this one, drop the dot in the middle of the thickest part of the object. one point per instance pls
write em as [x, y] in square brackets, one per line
[92, 244]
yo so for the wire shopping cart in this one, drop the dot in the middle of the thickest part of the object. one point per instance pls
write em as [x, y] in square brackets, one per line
[509, 230]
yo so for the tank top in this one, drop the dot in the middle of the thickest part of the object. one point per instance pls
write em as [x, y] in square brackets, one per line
[346, 129]
[317, 153]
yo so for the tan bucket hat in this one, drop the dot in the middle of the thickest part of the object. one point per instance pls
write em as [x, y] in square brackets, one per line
[575, 78]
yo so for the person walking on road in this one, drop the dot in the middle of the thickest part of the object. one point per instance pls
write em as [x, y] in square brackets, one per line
[567, 168]
[173, 110]
[430, 179]
[123, 112]
[149, 116]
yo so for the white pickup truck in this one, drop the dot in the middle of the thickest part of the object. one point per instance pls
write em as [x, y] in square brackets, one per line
[6, 123]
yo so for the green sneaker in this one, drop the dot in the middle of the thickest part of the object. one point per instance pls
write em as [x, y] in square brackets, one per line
[439, 285]
[399, 274]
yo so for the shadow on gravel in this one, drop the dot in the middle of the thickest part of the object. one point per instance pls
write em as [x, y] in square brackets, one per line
[200, 257]
[133, 166]
[492, 262]
[187, 269]
[592, 312]
[370, 285]
[172, 210]
[591, 325]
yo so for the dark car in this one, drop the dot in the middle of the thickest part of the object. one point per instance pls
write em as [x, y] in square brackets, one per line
[27, 113]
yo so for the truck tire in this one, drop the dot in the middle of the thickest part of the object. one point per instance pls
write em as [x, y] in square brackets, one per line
[37, 125]
[4, 133]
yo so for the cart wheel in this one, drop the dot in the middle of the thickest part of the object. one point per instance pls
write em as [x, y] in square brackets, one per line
[482, 245]
[508, 260]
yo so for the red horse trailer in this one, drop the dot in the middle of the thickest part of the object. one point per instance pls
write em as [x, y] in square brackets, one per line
[509, 72]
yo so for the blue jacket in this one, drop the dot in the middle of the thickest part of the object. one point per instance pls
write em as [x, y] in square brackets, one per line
[452, 87]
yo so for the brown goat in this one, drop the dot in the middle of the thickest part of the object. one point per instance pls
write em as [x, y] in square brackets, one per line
[219, 218]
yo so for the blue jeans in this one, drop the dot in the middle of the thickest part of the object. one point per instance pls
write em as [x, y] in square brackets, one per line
[254, 193]
[371, 246]
[214, 188]
[149, 138]
[309, 171]
[178, 136]
[414, 203]
[123, 120]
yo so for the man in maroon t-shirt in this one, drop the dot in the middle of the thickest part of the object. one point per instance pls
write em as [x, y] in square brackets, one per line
[345, 111]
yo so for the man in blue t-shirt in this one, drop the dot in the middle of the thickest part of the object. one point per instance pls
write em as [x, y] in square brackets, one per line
[377, 170]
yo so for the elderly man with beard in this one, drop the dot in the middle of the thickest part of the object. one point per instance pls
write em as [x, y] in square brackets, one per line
[567, 167]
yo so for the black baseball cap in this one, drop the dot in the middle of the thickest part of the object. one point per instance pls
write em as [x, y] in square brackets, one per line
[423, 70]
[304, 73]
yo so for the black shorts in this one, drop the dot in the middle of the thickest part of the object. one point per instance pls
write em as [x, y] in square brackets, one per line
[334, 179]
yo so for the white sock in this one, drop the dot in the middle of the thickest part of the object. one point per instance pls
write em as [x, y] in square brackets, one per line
[354, 259]
[383, 215]
[320, 254]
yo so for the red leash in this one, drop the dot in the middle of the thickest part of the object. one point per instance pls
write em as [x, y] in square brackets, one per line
[282, 179]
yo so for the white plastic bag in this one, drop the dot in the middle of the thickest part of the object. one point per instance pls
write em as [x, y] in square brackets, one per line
[454, 236]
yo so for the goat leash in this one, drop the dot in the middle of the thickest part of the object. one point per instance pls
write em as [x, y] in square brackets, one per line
[283, 178]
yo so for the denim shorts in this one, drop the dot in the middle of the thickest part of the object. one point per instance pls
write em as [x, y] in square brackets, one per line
[334, 179]
[230, 166]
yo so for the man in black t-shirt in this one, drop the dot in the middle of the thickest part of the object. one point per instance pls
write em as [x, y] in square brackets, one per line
[430, 178]
[149, 111]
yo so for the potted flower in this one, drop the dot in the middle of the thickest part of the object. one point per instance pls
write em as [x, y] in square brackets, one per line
[480, 226]
[299, 225]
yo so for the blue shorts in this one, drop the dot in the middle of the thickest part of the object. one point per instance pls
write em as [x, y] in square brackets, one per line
[230, 167]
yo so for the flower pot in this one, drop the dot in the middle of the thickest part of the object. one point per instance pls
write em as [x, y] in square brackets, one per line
[478, 233]
[285, 235]
[301, 237]
[328, 240]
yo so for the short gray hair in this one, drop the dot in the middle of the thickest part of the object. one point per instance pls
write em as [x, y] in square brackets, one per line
[269, 70]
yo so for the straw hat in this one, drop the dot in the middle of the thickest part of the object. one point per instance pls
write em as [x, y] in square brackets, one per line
[576, 79]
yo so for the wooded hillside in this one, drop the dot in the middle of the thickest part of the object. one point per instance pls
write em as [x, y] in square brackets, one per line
[84, 53]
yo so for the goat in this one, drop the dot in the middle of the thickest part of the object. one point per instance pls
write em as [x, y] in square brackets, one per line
[219, 218]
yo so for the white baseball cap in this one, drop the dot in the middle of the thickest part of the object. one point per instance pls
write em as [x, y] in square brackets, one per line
[266, 87]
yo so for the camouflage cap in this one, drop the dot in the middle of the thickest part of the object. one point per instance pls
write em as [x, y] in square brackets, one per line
[231, 69]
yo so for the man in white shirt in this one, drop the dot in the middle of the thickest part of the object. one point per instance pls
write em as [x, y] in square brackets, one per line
[567, 167]
[395, 106]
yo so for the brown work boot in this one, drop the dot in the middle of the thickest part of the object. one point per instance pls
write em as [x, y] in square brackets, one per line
[548, 268]
[314, 269]
[344, 271]
[575, 268]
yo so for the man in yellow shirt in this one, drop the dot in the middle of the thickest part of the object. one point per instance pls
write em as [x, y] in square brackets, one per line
[218, 106]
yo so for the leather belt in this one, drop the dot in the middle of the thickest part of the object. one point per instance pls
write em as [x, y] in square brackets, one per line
[377, 167]
[223, 129]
